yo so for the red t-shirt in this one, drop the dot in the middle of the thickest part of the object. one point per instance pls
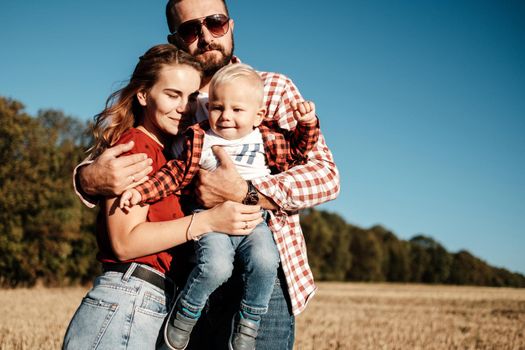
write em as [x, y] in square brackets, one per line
[166, 209]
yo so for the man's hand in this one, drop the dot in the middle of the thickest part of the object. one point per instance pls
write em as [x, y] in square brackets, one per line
[222, 184]
[225, 183]
[110, 175]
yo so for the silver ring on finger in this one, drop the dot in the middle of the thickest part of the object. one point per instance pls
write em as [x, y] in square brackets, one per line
[132, 178]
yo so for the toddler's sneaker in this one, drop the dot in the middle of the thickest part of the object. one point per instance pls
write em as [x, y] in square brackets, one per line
[244, 332]
[178, 329]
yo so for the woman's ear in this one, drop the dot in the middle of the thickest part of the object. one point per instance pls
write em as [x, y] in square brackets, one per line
[142, 97]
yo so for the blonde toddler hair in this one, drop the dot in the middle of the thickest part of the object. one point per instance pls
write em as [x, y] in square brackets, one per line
[235, 71]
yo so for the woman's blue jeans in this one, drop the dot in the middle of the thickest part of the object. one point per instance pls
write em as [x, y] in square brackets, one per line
[119, 312]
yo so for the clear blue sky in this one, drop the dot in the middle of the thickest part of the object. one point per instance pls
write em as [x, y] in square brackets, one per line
[422, 102]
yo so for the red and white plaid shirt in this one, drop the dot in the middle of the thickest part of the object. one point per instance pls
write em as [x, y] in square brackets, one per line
[302, 186]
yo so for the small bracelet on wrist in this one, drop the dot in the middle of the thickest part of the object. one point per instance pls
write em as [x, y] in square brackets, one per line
[189, 236]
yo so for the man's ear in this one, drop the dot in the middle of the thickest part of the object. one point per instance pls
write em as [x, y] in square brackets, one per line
[261, 113]
[142, 97]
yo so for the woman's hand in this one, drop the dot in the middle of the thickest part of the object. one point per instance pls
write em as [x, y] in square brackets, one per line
[231, 218]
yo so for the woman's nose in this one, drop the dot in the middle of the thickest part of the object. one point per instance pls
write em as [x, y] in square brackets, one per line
[183, 106]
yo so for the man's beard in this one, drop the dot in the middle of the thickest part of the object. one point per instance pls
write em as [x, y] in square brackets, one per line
[210, 67]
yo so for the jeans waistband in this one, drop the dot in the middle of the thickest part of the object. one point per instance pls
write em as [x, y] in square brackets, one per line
[142, 273]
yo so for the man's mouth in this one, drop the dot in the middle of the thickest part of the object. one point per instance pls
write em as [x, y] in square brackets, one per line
[210, 48]
[202, 52]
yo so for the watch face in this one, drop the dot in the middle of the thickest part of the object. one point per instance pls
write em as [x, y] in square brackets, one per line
[252, 197]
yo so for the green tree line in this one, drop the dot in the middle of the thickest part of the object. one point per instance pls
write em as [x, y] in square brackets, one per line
[47, 235]
[338, 251]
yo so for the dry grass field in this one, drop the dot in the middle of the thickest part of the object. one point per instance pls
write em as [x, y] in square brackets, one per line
[341, 316]
[395, 316]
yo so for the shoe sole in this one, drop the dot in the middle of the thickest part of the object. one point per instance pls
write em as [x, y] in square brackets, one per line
[230, 346]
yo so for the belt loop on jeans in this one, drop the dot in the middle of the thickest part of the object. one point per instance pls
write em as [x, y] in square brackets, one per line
[126, 276]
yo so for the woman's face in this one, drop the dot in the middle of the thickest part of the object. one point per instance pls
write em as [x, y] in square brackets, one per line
[167, 103]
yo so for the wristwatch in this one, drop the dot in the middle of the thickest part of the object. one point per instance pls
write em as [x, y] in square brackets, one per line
[252, 196]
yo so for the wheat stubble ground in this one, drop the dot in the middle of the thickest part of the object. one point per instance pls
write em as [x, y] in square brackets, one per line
[341, 316]
[393, 316]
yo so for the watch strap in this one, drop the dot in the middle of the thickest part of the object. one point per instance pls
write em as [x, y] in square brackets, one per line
[252, 196]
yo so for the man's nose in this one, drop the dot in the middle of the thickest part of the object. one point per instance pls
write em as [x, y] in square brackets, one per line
[205, 36]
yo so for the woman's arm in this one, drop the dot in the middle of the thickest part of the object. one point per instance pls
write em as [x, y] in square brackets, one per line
[131, 236]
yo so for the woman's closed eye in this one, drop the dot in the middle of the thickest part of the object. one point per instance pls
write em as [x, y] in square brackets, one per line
[174, 96]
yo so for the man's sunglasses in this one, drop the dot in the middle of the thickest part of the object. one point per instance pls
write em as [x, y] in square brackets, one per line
[217, 25]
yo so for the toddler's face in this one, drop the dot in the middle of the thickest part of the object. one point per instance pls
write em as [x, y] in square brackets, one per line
[234, 109]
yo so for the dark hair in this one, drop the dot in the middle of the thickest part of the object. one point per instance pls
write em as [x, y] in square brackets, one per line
[171, 14]
[123, 110]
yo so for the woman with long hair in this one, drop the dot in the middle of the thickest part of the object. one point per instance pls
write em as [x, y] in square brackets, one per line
[130, 299]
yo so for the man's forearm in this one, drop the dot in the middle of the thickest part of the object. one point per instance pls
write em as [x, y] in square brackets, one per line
[266, 202]
[83, 175]
[303, 186]
[239, 195]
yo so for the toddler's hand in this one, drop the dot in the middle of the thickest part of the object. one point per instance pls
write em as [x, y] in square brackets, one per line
[304, 112]
[129, 198]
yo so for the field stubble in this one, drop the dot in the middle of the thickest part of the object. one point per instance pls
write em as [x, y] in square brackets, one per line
[396, 316]
[340, 316]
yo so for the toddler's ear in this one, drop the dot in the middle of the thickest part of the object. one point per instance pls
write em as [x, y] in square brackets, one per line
[260, 117]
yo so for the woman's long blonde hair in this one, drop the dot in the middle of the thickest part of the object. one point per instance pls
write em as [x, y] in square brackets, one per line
[123, 110]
